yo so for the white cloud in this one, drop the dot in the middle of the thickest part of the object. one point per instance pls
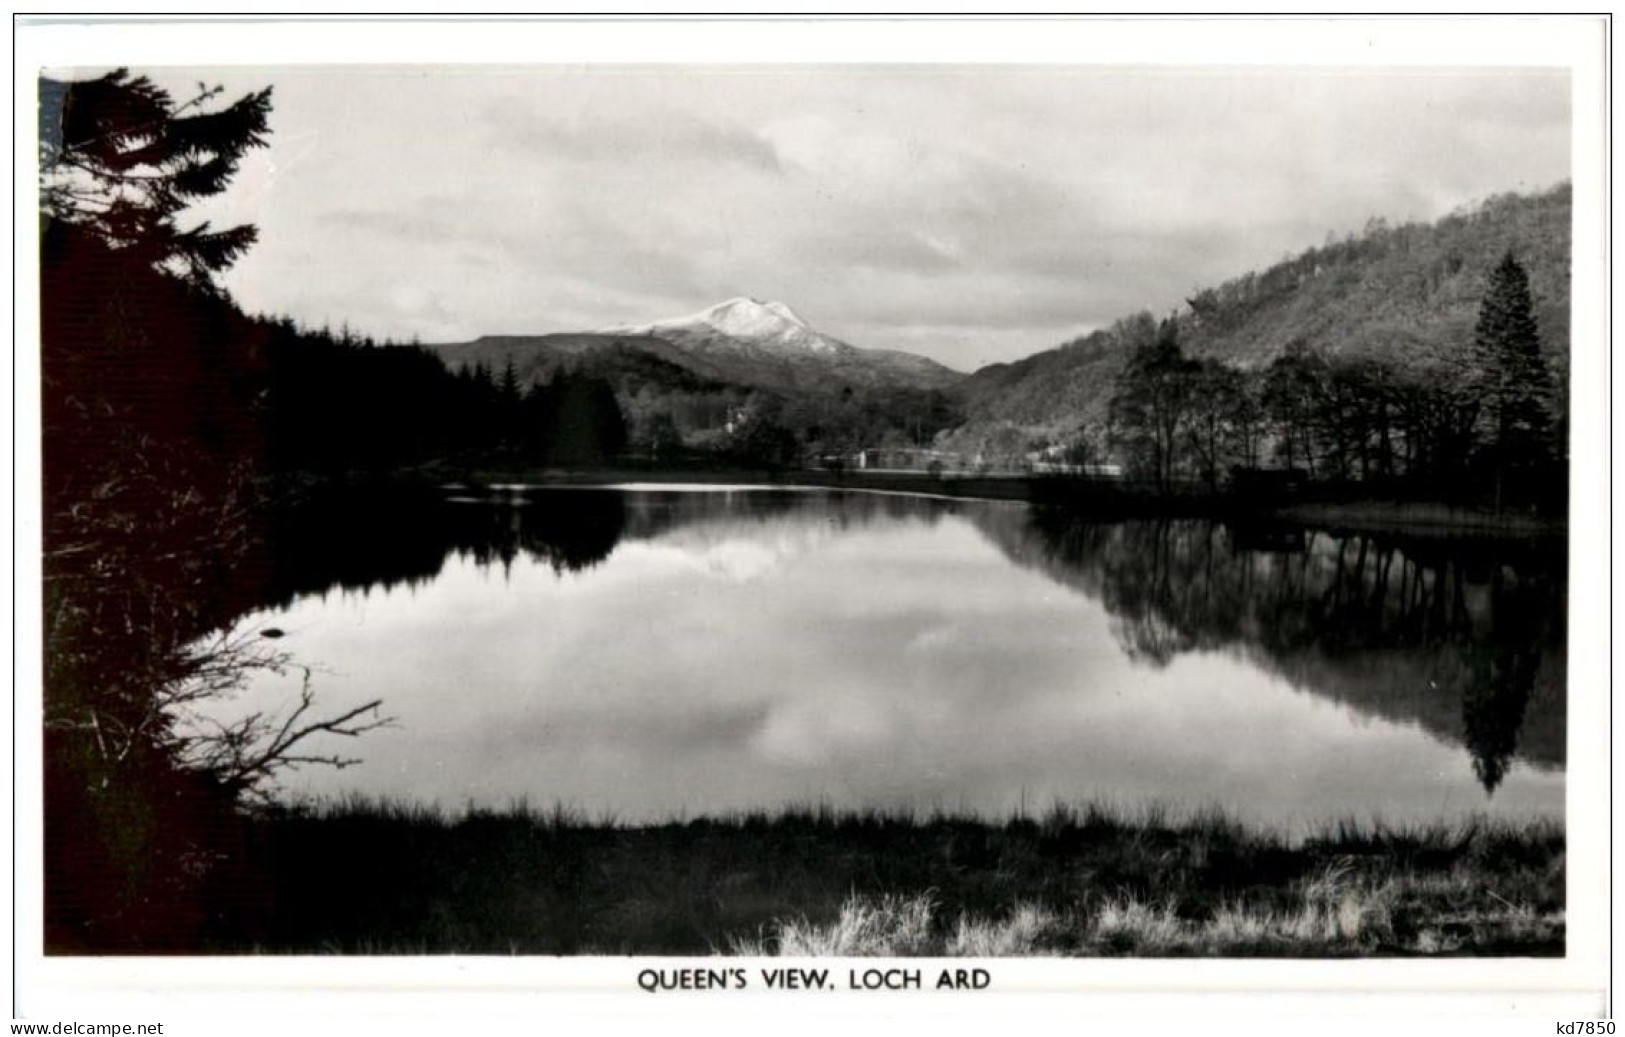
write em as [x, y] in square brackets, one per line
[974, 215]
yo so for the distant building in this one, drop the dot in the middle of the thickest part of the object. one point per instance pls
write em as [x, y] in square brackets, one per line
[907, 459]
[1097, 471]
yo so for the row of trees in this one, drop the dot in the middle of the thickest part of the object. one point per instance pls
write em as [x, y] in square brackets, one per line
[338, 402]
[343, 402]
[1481, 423]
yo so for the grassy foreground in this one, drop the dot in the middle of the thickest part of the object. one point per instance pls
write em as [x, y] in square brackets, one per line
[361, 876]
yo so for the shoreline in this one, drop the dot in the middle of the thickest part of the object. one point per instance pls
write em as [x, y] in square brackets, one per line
[1334, 508]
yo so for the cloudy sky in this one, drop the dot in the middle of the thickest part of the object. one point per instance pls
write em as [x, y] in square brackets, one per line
[971, 214]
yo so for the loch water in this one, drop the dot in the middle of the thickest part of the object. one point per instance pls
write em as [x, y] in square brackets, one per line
[642, 654]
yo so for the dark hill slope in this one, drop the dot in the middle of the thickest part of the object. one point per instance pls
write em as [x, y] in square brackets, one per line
[1408, 294]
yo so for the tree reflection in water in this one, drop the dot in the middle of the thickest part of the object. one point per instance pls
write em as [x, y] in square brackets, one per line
[386, 538]
[1463, 637]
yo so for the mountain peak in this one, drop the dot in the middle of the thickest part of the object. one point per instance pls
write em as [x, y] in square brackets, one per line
[742, 322]
[751, 308]
[748, 318]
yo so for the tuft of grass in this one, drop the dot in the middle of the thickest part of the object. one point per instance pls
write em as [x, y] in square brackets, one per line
[867, 927]
[1126, 925]
[1029, 929]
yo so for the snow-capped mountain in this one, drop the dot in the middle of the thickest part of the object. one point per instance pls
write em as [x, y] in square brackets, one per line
[741, 342]
[766, 343]
[741, 323]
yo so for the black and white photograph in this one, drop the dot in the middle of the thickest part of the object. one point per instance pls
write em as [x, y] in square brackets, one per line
[911, 519]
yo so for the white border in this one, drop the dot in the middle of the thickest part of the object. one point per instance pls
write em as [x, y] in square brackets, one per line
[256, 994]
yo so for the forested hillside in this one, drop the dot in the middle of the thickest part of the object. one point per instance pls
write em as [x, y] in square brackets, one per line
[1408, 295]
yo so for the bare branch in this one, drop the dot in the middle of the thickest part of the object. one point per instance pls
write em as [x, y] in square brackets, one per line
[248, 751]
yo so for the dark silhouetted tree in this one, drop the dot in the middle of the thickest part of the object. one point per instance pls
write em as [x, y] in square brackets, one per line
[1153, 403]
[1222, 419]
[120, 160]
[1515, 385]
[581, 421]
[761, 438]
[1293, 384]
[153, 429]
[661, 438]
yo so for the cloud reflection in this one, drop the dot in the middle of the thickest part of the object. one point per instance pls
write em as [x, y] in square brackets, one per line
[819, 650]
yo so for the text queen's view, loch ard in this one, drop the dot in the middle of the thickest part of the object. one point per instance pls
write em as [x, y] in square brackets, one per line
[828, 512]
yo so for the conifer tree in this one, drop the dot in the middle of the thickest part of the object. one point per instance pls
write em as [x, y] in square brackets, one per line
[510, 382]
[1515, 384]
[120, 160]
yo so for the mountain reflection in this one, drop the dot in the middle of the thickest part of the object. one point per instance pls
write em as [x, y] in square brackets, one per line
[1465, 639]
